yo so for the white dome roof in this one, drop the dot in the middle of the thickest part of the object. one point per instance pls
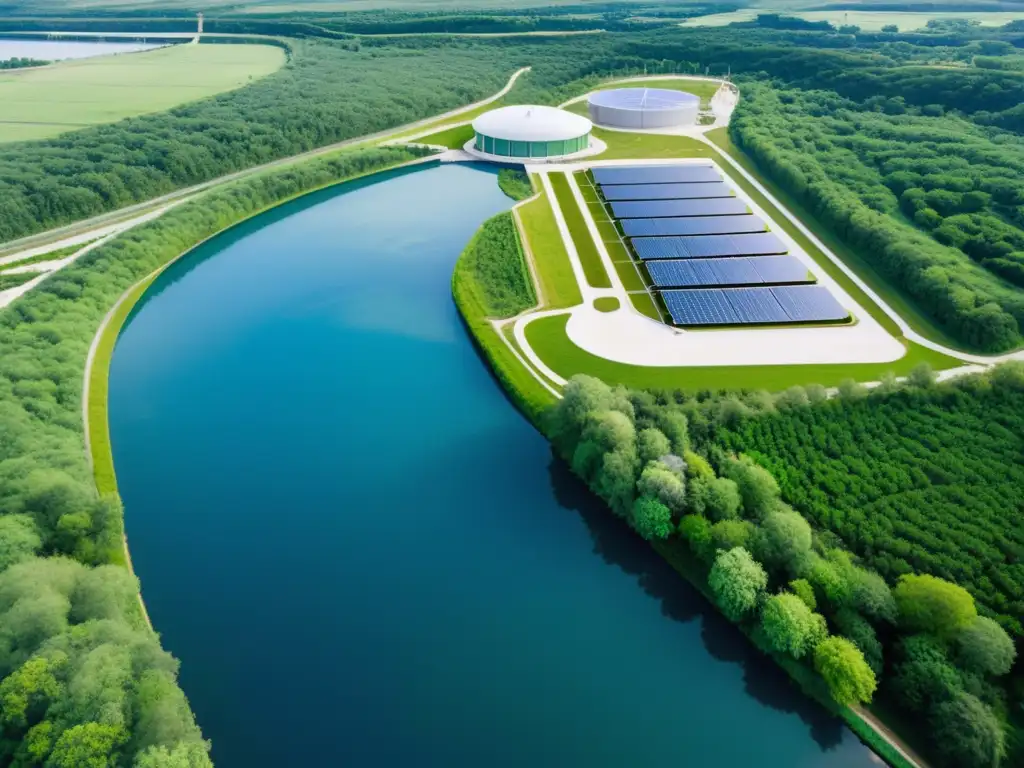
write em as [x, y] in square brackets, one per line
[531, 123]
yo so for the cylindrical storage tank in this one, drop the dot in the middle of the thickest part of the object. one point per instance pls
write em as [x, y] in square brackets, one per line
[643, 108]
[531, 131]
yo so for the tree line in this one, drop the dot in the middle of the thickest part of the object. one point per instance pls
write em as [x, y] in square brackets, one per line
[932, 201]
[83, 682]
[920, 640]
[326, 93]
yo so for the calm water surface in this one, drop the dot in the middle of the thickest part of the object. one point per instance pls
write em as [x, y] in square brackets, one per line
[364, 556]
[54, 50]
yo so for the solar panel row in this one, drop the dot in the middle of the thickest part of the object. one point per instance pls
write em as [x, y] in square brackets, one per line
[687, 273]
[656, 174]
[706, 246]
[747, 306]
[666, 191]
[696, 225]
[655, 209]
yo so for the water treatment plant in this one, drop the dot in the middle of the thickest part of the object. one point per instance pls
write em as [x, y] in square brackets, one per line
[530, 131]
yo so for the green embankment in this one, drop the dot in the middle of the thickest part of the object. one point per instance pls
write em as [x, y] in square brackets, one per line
[493, 271]
[514, 183]
[491, 280]
[453, 138]
[590, 259]
[548, 339]
[606, 304]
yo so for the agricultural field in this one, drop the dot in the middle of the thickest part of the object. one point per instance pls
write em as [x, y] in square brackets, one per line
[41, 103]
[869, 21]
[921, 481]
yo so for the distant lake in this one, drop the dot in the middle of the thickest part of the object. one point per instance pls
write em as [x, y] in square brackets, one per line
[56, 50]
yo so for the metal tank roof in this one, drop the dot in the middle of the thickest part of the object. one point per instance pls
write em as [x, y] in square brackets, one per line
[526, 122]
[650, 99]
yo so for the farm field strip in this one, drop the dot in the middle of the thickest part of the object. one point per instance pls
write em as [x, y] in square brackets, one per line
[48, 101]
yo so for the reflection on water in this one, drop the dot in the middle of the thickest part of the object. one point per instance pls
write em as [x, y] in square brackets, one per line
[363, 554]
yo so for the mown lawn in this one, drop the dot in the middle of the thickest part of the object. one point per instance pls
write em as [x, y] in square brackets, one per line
[453, 138]
[554, 271]
[548, 339]
[45, 102]
[593, 268]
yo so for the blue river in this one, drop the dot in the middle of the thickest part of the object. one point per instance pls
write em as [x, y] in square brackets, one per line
[362, 553]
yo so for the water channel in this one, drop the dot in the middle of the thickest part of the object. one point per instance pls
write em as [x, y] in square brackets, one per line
[361, 552]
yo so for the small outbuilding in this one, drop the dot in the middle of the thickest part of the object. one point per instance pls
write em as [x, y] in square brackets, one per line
[643, 108]
[530, 131]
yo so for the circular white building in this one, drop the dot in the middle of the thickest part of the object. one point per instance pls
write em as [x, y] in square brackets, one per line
[643, 108]
[531, 131]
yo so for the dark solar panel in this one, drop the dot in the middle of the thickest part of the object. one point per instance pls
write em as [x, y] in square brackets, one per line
[807, 303]
[657, 174]
[756, 305]
[666, 191]
[700, 307]
[734, 272]
[707, 246]
[749, 306]
[781, 269]
[689, 273]
[655, 209]
[696, 225]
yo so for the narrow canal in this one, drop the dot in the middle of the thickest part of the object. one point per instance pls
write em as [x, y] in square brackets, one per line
[364, 556]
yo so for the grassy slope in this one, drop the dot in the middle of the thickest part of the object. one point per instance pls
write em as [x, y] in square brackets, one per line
[493, 270]
[453, 138]
[53, 100]
[593, 268]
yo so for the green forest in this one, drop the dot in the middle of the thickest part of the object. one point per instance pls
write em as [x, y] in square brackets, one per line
[690, 473]
[85, 682]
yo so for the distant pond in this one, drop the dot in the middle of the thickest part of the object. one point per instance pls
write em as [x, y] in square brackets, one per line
[55, 50]
[362, 553]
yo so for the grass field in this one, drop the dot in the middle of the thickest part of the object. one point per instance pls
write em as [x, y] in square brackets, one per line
[453, 138]
[554, 272]
[549, 340]
[40, 103]
[914, 317]
[869, 21]
[593, 269]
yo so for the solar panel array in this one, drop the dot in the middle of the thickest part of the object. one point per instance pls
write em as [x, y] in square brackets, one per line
[688, 273]
[693, 232]
[694, 225]
[751, 306]
[667, 191]
[708, 246]
[657, 174]
[655, 209]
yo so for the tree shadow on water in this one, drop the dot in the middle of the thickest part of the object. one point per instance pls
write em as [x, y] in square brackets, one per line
[617, 545]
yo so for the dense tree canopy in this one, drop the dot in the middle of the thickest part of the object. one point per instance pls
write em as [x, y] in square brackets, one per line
[848, 675]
